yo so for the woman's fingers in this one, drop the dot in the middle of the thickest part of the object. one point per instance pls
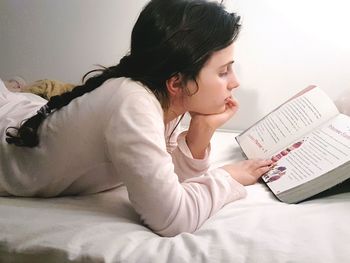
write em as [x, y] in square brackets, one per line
[258, 163]
[262, 170]
[232, 102]
[263, 167]
[259, 167]
[232, 105]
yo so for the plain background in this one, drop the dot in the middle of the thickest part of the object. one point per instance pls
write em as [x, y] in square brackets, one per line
[283, 46]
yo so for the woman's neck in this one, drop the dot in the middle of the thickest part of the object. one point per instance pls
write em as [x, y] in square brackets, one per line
[171, 114]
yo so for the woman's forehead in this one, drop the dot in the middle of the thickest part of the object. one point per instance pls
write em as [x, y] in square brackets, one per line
[221, 57]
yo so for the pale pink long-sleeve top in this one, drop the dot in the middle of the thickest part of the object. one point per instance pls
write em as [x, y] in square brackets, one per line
[114, 135]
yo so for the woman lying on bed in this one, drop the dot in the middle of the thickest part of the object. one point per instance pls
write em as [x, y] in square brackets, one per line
[120, 127]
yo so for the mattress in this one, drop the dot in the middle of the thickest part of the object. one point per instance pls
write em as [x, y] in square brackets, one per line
[105, 228]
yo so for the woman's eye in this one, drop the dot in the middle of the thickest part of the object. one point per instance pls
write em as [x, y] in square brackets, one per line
[228, 69]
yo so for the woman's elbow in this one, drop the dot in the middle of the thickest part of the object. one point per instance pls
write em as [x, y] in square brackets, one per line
[175, 229]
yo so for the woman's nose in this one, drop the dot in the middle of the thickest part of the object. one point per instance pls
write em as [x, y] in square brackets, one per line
[233, 83]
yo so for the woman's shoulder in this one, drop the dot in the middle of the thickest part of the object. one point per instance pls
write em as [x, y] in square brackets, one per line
[127, 93]
[125, 87]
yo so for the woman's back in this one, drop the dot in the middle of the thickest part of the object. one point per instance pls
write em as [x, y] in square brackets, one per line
[72, 151]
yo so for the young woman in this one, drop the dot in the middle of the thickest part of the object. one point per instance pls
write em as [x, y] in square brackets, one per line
[120, 126]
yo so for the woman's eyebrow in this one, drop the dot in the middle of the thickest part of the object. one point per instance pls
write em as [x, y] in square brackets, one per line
[225, 65]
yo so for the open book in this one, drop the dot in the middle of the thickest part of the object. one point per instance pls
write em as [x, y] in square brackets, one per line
[308, 139]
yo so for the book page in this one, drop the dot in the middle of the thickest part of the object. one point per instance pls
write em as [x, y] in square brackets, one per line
[287, 123]
[315, 154]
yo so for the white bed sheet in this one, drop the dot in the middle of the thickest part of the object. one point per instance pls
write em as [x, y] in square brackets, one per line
[105, 228]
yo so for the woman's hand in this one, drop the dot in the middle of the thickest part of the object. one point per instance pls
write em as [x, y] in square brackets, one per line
[202, 128]
[249, 171]
[215, 121]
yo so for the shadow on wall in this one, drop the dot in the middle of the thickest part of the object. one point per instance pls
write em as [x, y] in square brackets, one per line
[343, 102]
[247, 114]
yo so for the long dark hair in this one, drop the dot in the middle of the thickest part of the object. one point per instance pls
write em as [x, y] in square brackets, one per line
[169, 37]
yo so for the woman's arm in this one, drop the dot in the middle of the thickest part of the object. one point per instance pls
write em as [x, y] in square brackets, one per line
[202, 128]
[185, 165]
[136, 146]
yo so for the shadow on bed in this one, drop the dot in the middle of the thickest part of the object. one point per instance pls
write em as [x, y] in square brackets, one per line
[109, 204]
[338, 189]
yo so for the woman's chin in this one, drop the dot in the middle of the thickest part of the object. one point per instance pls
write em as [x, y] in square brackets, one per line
[217, 111]
[221, 109]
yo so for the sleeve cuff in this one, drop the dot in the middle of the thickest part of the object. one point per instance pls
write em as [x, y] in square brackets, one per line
[239, 191]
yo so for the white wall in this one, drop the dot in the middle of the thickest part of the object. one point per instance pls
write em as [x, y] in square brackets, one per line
[284, 44]
[63, 39]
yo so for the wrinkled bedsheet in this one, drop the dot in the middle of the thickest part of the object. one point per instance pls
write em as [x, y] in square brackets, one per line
[105, 228]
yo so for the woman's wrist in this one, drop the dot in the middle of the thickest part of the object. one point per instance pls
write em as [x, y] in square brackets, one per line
[198, 138]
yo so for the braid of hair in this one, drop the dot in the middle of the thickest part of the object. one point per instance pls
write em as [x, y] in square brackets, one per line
[26, 135]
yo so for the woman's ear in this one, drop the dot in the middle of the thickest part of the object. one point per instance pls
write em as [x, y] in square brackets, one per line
[174, 85]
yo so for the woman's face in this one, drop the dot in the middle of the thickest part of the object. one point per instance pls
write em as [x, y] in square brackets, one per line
[215, 83]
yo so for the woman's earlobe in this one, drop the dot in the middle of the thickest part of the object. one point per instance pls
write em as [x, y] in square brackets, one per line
[174, 84]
